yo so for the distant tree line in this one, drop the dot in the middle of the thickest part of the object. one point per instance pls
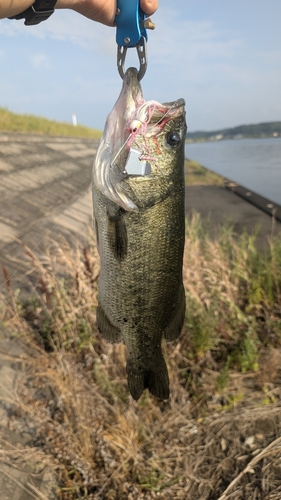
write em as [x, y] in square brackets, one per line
[269, 129]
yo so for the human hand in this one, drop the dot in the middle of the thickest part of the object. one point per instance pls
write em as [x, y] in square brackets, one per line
[102, 11]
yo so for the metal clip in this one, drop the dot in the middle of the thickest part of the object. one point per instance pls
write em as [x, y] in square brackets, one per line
[142, 55]
[131, 24]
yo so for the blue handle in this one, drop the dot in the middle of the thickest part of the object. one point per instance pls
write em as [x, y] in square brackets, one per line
[129, 23]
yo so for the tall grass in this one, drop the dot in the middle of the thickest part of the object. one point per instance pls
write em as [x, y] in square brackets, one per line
[13, 122]
[233, 294]
[224, 372]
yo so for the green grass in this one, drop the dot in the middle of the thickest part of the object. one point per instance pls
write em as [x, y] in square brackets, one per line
[13, 122]
[196, 175]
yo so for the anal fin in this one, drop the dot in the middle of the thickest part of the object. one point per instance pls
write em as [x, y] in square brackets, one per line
[109, 332]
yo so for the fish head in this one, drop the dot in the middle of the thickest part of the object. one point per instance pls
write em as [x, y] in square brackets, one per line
[155, 132]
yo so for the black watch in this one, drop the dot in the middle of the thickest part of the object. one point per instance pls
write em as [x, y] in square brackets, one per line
[39, 11]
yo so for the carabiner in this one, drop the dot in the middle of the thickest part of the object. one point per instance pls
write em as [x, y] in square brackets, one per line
[131, 31]
[129, 23]
[142, 55]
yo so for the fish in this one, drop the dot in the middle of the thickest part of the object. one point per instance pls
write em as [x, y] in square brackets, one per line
[139, 221]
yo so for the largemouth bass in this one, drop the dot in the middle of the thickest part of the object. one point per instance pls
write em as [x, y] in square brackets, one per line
[138, 200]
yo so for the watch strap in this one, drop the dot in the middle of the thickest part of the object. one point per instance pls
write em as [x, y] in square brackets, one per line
[39, 11]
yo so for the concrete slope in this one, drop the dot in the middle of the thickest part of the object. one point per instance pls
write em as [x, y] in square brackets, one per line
[44, 191]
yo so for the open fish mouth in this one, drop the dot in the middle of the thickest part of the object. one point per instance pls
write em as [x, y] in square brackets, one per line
[131, 119]
[152, 116]
[146, 113]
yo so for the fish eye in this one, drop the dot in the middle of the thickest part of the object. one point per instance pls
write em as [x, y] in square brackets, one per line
[173, 139]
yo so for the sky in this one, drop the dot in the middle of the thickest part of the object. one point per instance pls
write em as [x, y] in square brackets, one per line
[223, 57]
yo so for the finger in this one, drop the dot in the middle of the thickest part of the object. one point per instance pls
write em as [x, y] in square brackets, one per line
[149, 6]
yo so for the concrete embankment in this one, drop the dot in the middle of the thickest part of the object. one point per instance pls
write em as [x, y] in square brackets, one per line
[44, 194]
[269, 207]
[40, 179]
[221, 204]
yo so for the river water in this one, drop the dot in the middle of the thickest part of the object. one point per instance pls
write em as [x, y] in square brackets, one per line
[253, 163]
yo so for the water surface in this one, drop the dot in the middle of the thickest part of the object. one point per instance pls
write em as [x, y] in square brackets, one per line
[253, 163]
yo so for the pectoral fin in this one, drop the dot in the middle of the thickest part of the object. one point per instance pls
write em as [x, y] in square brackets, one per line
[117, 233]
[173, 329]
[96, 232]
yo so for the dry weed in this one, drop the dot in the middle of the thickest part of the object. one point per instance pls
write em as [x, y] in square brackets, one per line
[217, 438]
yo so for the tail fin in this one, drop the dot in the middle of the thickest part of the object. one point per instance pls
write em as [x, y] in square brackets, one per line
[155, 379]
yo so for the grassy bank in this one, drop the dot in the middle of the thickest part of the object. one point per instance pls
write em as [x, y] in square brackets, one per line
[12, 122]
[219, 432]
[196, 175]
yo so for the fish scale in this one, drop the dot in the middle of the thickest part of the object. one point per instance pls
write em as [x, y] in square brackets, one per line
[141, 295]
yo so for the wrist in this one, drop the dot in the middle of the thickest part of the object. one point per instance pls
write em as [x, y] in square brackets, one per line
[17, 7]
[102, 11]
[67, 4]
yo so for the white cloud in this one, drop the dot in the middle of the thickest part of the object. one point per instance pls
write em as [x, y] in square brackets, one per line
[68, 26]
[10, 27]
[40, 60]
[173, 38]
[187, 41]
[271, 57]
